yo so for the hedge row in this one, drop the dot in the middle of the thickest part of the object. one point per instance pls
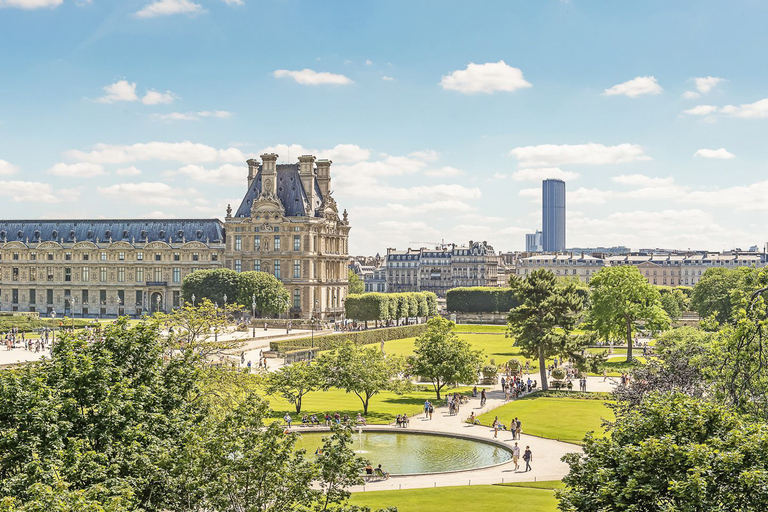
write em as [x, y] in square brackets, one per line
[359, 337]
[370, 307]
[32, 324]
[480, 299]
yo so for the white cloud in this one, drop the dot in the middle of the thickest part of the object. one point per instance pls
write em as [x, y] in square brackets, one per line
[310, 77]
[641, 180]
[30, 4]
[122, 90]
[531, 193]
[758, 109]
[234, 2]
[7, 168]
[554, 155]
[485, 78]
[428, 155]
[128, 171]
[701, 110]
[720, 153]
[405, 210]
[368, 62]
[158, 98]
[340, 153]
[443, 172]
[146, 193]
[35, 192]
[741, 197]
[78, 170]
[168, 151]
[226, 174]
[169, 7]
[544, 173]
[193, 116]
[635, 87]
[387, 78]
[706, 83]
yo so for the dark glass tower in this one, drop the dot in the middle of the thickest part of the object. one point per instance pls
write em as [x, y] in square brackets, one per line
[553, 215]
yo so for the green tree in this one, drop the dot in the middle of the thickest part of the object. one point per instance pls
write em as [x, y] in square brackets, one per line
[546, 314]
[212, 284]
[362, 370]
[339, 468]
[671, 452]
[356, 285]
[712, 294]
[266, 290]
[621, 299]
[293, 381]
[670, 305]
[196, 328]
[443, 358]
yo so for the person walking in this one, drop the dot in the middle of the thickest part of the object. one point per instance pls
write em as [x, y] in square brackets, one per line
[516, 456]
[482, 398]
[527, 457]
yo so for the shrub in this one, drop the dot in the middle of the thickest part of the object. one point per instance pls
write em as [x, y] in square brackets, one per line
[480, 299]
[558, 373]
[370, 307]
[327, 342]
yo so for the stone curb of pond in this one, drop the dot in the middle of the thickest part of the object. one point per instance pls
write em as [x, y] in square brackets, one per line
[425, 432]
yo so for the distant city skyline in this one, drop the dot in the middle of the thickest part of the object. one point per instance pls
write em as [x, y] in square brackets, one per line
[441, 123]
[553, 226]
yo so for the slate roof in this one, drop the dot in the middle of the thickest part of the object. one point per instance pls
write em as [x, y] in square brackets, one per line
[138, 230]
[290, 191]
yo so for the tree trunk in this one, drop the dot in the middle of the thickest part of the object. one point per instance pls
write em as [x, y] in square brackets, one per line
[543, 371]
[365, 405]
[629, 341]
[298, 406]
[437, 389]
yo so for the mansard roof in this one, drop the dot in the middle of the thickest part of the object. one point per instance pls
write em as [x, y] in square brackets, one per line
[138, 230]
[290, 191]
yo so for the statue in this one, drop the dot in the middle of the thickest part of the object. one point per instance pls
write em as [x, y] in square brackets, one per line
[229, 211]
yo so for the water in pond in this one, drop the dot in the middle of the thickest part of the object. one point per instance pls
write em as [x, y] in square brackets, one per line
[408, 453]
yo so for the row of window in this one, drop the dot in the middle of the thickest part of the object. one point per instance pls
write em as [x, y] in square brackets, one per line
[103, 256]
[276, 241]
[85, 274]
[276, 267]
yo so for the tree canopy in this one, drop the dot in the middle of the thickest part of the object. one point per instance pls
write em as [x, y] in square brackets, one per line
[622, 299]
[548, 310]
[211, 284]
[265, 290]
[442, 358]
[712, 295]
[671, 452]
[356, 285]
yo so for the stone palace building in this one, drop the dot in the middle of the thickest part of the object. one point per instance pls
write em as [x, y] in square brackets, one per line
[288, 224]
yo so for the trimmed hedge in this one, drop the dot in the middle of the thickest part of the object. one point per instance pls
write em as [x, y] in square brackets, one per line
[359, 337]
[370, 307]
[32, 324]
[480, 299]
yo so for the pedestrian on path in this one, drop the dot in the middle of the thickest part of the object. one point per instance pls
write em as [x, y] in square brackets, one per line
[527, 457]
[482, 398]
[516, 456]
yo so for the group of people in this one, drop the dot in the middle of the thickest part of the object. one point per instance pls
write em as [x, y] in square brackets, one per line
[13, 338]
[514, 386]
[454, 401]
[402, 420]
[515, 426]
[527, 457]
[311, 420]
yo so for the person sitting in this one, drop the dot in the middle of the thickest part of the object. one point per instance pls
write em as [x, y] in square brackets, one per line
[380, 472]
[304, 420]
[406, 420]
[345, 419]
[399, 421]
[472, 418]
[360, 419]
[313, 420]
[368, 472]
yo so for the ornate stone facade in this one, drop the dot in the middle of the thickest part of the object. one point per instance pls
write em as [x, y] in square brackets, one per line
[288, 224]
[95, 268]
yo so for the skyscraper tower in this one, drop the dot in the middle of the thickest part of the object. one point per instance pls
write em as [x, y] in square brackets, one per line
[553, 215]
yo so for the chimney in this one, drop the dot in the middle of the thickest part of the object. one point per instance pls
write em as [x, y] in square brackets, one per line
[269, 174]
[307, 175]
[253, 170]
[324, 176]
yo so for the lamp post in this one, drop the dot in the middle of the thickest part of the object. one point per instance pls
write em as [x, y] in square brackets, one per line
[253, 313]
[343, 324]
[216, 328]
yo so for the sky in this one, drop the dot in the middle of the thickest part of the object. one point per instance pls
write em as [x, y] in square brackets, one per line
[441, 117]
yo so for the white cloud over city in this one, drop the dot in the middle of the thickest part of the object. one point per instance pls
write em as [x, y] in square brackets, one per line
[638, 86]
[485, 79]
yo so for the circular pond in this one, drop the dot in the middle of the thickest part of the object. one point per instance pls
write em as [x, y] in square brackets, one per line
[406, 453]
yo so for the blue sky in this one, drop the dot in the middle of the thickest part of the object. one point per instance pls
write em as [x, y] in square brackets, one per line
[441, 117]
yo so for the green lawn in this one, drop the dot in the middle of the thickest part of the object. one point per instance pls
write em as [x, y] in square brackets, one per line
[480, 498]
[480, 328]
[564, 419]
[495, 346]
[382, 409]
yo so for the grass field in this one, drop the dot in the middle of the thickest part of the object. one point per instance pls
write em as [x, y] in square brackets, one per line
[501, 329]
[533, 497]
[495, 346]
[382, 409]
[564, 419]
